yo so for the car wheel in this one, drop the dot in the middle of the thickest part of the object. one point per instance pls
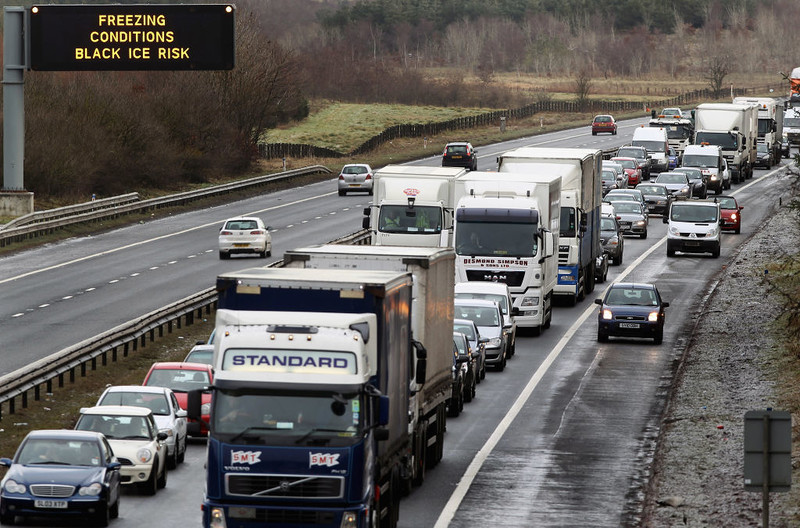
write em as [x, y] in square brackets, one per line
[643, 235]
[370, 192]
[182, 453]
[342, 193]
[7, 519]
[224, 256]
[172, 461]
[483, 371]
[103, 517]
[601, 337]
[162, 480]
[737, 230]
[659, 337]
[114, 511]
[150, 486]
[715, 253]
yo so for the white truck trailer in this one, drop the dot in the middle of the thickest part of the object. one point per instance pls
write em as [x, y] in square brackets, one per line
[734, 127]
[770, 122]
[581, 194]
[412, 206]
[506, 226]
[431, 325]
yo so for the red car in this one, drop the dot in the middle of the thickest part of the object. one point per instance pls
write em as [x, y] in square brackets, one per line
[731, 213]
[604, 123]
[181, 378]
[632, 170]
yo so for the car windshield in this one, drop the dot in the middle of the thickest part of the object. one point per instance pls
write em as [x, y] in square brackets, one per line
[678, 131]
[354, 169]
[608, 224]
[628, 164]
[480, 315]
[652, 189]
[727, 203]
[631, 297]
[241, 225]
[761, 148]
[693, 213]
[609, 175]
[628, 207]
[467, 330]
[155, 402]
[631, 152]
[59, 452]
[692, 174]
[619, 198]
[502, 300]
[200, 356]
[697, 160]
[671, 178]
[412, 220]
[117, 427]
[461, 345]
[179, 380]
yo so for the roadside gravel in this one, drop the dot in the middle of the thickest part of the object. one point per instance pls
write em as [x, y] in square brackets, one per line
[729, 368]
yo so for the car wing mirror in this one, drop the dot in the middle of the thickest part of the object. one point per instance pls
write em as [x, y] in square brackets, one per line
[598, 301]
[741, 207]
[665, 304]
[161, 436]
[665, 219]
[114, 466]
[180, 413]
[483, 340]
[5, 462]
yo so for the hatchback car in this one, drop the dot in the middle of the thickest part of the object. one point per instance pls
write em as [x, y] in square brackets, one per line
[169, 416]
[612, 240]
[456, 402]
[601, 268]
[639, 154]
[136, 441]
[698, 180]
[631, 310]
[469, 368]
[604, 124]
[498, 292]
[200, 353]
[62, 475]
[731, 213]
[763, 156]
[677, 183]
[635, 194]
[460, 154]
[632, 170]
[181, 378]
[489, 319]
[244, 235]
[632, 217]
[656, 196]
[609, 180]
[355, 177]
[476, 342]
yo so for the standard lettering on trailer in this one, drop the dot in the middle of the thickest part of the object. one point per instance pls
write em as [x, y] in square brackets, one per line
[497, 263]
[290, 361]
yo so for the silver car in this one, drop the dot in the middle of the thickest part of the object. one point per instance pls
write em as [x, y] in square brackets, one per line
[244, 235]
[355, 177]
[677, 183]
[489, 319]
[632, 218]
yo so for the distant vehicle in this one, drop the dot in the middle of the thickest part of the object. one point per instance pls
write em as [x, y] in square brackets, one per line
[169, 416]
[601, 268]
[604, 124]
[672, 112]
[61, 474]
[612, 239]
[456, 402]
[622, 178]
[708, 158]
[476, 342]
[730, 210]
[244, 235]
[609, 180]
[181, 378]
[469, 368]
[694, 227]
[657, 197]
[632, 218]
[655, 140]
[136, 441]
[641, 155]
[636, 194]
[489, 319]
[355, 177]
[698, 179]
[460, 154]
[631, 310]
[632, 170]
[763, 156]
[677, 183]
[672, 159]
[200, 353]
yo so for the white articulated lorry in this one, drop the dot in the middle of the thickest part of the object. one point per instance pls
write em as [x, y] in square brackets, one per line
[770, 122]
[679, 131]
[734, 127]
[412, 206]
[581, 194]
[506, 227]
[791, 126]
[432, 309]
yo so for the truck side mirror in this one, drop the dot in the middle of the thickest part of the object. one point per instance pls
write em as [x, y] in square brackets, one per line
[653, 113]
[514, 311]
[422, 371]
[365, 222]
[383, 410]
[665, 218]
[367, 211]
[194, 400]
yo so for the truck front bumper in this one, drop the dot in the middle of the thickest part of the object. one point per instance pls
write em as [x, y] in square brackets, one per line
[257, 516]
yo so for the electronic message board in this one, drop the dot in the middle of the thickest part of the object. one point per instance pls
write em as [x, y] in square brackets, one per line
[132, 37]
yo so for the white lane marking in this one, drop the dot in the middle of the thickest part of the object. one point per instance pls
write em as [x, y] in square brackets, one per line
[18, 315]
[162, 237]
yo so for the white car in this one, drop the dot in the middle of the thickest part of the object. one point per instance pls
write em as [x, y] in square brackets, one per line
[201, 353]
[136, 441]
[498, 292]
[246, 234]
[169, 416]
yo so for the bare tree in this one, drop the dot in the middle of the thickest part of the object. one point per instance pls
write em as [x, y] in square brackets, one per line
[583, 85]
[719, 66]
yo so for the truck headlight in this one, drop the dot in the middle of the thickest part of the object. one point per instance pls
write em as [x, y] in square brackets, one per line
[530, 301]
[205, 408]
[217, 518]
[349, 520]
[92, 490]
[144, 455]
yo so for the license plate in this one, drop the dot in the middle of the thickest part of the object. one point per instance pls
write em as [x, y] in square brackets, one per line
[456, 157]
[241, 245]
[651, 207]
[693, 244]
[629, 325]
[355, 185]
[50, 504]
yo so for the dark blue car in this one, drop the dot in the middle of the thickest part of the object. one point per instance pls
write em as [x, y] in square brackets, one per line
[631, 310]
[61, 474]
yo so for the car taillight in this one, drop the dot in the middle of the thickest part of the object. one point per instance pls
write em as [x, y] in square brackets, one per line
[369, 177]
[257, 232]
[341, 176]
[225, 233]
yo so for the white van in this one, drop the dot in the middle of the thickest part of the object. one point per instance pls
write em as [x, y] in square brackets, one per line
[655, 140]
[707, 158]
[498, 292]
[694, 227]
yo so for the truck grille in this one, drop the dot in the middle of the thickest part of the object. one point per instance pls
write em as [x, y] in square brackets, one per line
[286, 486]
[512, 278]
[52, 490]
[563, 257]
[298, 517]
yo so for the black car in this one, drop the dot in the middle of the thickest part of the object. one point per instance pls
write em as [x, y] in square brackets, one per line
[460, 154]
[763, 156]
[456, 402]
[611, 238]
[631, 310]
[656, 196]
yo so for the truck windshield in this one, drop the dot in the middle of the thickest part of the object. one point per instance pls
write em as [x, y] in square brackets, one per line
[286, 417]
[704, 162]
[678, 131]
[496, 238]
[416, 220]
[791, 122]
[764, 126]
[723, 139]
[568, 222]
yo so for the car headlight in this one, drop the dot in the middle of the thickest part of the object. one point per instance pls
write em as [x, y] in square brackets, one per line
[530, 301]
[733, 217]
[714, 177]
[495, 342]
[640, 223]
[92, 490]
[607, 314]
[652, 317]
[205, 408]
[12, 486]
[144, 455]
[685, 190]
[673, 231]
[613, 241]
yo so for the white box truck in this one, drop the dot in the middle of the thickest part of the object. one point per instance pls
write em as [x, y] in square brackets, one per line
[506, 227]
[581, 195]
[432, 296]
[734, 127]
[770, 122]
[656, 141]
[412, 206]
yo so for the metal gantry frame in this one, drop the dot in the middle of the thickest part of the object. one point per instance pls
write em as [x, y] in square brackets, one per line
[16, 58]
